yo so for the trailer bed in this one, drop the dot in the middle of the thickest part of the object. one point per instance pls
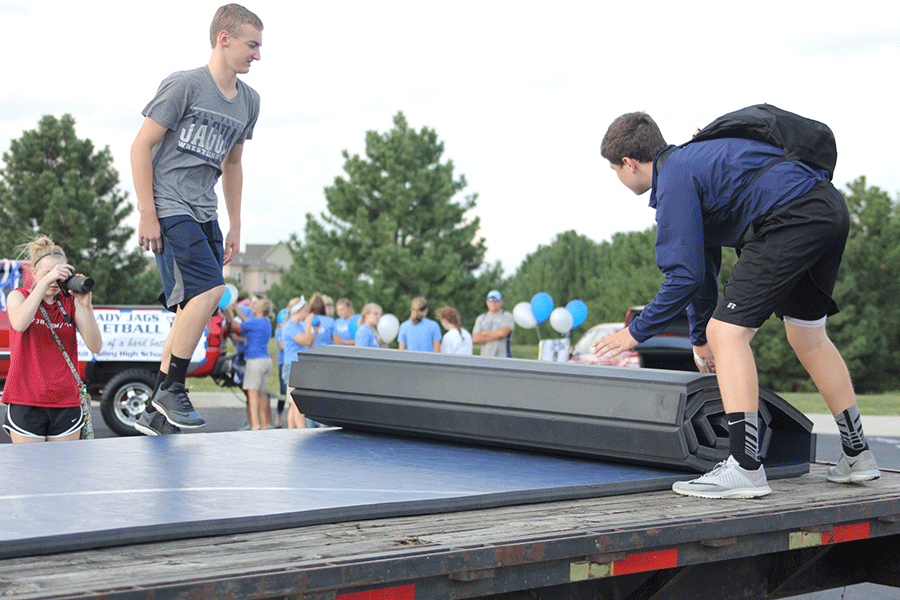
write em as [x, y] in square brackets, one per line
[808, 534]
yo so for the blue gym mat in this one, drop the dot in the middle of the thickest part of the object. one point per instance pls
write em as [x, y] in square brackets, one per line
[64, 496]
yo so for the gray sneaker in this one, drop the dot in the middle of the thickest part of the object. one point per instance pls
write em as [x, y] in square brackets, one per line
[154, 424]
[854, 469]
[174, 403]
[726, 480]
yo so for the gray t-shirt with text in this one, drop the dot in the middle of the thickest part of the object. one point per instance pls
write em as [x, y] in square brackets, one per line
[203, 126]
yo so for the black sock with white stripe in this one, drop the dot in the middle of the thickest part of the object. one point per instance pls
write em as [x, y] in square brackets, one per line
[743, 439]
[850, 425]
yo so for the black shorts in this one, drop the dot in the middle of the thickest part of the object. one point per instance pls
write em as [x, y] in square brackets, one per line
[191, 260]
[789, 262]
[43, 422]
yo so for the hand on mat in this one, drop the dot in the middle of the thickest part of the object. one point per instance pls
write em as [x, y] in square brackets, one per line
[614, 344]
[704, 360]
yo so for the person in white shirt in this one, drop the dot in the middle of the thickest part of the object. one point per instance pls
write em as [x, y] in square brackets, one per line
[457, 340]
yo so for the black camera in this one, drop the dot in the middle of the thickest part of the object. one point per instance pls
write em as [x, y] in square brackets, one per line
[77, 284]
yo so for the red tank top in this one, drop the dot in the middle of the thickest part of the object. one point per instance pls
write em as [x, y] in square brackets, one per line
[38, 373]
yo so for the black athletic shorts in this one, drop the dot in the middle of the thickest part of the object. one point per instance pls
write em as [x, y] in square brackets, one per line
[191, 260]
[789, 262]
[43, 421]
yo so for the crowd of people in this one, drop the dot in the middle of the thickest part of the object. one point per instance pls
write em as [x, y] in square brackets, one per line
[307, 323]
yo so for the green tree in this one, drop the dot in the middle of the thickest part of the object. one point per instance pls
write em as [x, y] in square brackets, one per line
[395, 228]
[56, 184]
[867, 330]
[629, 277]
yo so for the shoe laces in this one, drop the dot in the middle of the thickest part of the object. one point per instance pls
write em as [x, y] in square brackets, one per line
[180, 392]
[718, 468]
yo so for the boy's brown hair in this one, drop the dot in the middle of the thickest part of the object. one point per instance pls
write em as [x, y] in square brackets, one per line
[634, 135]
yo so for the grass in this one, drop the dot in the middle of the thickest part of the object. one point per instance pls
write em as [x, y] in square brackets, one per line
[206, 384]
[869, 404]
[809, 403]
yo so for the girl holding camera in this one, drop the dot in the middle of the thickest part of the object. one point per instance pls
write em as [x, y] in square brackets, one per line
[41, 391]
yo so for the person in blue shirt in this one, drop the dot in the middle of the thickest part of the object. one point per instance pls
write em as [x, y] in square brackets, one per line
[325, 331]
[366, 337]
[282, 392]
[256, 332]
[346, 322]
[297, 334]
[790, 224]
[419, 332]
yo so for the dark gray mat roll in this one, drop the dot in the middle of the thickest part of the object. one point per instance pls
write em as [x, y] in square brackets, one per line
[666, 419]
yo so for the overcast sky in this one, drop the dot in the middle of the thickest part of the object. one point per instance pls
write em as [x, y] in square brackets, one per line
[521, 93]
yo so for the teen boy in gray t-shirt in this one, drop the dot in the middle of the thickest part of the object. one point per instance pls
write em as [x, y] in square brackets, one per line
[193, 133]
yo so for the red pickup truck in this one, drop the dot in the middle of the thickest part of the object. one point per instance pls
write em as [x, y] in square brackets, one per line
[122, 375]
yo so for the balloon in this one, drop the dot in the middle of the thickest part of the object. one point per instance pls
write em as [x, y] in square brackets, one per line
[352, 326]
[226, 298]
[541, 306]
[579, 312]
[523, 315]
[282, 315]
[388, 328]
[230, 287]
[561, 320]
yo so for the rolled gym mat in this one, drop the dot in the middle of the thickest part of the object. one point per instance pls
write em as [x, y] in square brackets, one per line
[670, 419]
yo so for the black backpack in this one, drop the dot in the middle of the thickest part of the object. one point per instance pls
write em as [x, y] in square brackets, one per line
[808, 141]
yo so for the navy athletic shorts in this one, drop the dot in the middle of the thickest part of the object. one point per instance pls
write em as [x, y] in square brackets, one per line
[191, 260]
[789, 262]
[43, 421]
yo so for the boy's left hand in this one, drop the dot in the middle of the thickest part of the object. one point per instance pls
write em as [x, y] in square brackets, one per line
[232, 245]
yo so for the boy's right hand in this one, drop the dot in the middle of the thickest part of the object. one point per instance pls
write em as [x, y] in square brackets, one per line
[149, 234]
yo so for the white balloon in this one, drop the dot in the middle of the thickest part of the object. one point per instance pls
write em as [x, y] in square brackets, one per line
[561, 319]
[388, 328]
[524, 316]
[234, 292]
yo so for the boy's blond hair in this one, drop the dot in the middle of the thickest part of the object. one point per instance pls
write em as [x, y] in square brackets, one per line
[229, 18]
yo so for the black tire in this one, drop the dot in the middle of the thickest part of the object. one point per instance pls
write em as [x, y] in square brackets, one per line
[124, 398]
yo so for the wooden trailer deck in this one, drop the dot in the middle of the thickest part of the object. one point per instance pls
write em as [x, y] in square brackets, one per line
[807, 530]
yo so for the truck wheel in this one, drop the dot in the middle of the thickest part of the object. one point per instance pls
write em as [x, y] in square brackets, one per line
[124, 398]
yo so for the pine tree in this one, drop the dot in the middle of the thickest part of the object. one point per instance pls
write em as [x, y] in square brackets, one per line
[56, 184]
[395, 228]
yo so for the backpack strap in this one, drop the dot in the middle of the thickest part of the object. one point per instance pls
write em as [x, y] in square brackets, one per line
[661, 159]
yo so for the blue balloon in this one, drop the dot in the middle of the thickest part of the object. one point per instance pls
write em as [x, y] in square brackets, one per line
[353, 325]
[226, 298]
[541, 306]
[579, 312]
[282, 315]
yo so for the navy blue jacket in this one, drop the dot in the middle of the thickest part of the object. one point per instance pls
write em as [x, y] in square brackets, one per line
[704, 200]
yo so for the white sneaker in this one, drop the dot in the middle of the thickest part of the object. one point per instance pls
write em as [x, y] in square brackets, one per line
[854, 469]
[726, 480]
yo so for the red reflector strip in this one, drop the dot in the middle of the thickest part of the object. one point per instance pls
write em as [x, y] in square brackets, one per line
[647, 561]
[846, 533]
[403, 592]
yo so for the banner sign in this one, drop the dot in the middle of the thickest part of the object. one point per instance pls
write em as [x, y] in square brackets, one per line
[134, 335]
